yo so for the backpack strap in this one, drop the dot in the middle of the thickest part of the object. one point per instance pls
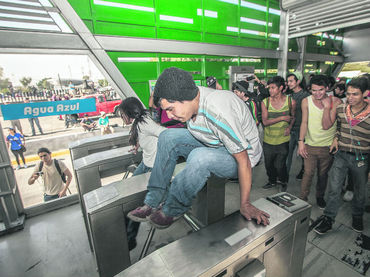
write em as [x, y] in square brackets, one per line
[56, 163]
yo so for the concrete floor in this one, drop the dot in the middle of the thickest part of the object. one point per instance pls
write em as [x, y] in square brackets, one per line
[55, 244]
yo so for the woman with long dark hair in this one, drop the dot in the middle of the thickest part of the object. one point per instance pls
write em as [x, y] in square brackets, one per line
[144, 133]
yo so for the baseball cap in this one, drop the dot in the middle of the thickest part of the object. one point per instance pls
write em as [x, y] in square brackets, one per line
[175, 84]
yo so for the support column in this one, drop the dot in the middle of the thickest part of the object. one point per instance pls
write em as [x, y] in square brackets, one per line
[302, 41]
[283, 44]
[11, 207]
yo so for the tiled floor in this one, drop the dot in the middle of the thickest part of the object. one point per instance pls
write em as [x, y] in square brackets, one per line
[55, 244]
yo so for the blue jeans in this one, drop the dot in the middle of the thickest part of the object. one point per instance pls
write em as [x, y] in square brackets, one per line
[201, 161]
[141, 169]
[50, 197]
[132, 227]
[344, 162]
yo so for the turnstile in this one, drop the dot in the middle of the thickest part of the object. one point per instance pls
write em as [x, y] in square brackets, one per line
[235, 247]
[90, 169]
[87, 146]
[107, 206]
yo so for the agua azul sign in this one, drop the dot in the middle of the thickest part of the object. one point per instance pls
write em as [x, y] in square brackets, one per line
[38, 109]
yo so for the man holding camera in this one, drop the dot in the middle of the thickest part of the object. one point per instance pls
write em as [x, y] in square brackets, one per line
[51, 172]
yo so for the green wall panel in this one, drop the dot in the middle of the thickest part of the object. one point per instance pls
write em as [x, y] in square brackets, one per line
[136, 71]
[165, 33]
[252, 41]
[210, 20]
[82, 8]
[221, 39]
[191, 63]
[217, 66]
[89, 24]
[179, 9]
[142, 91]
[121, 29]
[125, 15]
[227, 15]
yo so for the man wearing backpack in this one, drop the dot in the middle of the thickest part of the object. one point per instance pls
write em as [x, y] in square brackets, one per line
[55, 175]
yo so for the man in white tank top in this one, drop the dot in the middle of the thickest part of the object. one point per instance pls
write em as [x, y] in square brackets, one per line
[316, 135]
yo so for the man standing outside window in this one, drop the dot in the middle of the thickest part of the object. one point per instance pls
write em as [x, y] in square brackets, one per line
[351, 146]
[54, 186]
[33, 120]
[297, 86]
[317, 131]
[221, 138]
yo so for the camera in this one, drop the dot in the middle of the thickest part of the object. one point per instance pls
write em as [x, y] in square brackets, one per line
[249, 78]
[40, 173]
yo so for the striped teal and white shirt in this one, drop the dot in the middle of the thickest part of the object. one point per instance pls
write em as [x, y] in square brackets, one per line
[224, 120]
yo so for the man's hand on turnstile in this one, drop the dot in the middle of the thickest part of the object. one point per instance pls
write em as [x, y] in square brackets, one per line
[251, 212]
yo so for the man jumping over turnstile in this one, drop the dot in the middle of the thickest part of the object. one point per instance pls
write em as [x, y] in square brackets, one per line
[221, 139]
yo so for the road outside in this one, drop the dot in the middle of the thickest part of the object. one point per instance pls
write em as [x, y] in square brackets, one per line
[52, 128]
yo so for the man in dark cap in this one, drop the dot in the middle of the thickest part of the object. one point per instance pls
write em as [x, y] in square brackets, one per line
[221, 138]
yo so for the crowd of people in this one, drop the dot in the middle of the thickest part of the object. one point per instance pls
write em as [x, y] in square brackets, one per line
[328, 124]
[227, 133]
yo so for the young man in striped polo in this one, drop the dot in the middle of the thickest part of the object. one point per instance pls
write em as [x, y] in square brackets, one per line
[221, 138]
[352, 147]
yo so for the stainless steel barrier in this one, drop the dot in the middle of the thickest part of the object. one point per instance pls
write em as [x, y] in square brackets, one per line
[90, 169]
[236, 247]
[87, 146]
[106, 207]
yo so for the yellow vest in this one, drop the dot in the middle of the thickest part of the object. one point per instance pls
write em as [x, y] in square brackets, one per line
[316, 135]
[274, 134]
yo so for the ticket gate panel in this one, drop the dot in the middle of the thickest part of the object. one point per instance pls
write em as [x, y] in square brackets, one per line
[113, 155]
[206, 251]
[277, 257]
[90, 169]
[214, 196]
[107, 227]
[87, 146]
[117, 194]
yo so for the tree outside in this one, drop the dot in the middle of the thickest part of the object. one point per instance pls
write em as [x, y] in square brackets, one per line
[4, 83]
[25, 81]
[103, 83]
[44, 84]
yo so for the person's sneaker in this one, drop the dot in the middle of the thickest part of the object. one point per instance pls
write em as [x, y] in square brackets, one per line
[25, 166]
[282, 186]
[357, 224]
[321, 202]
[300, 175]
[18, 167]
[348, 196]
[324, 226]
[269, 185]
[160, 221]
[140, 214]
